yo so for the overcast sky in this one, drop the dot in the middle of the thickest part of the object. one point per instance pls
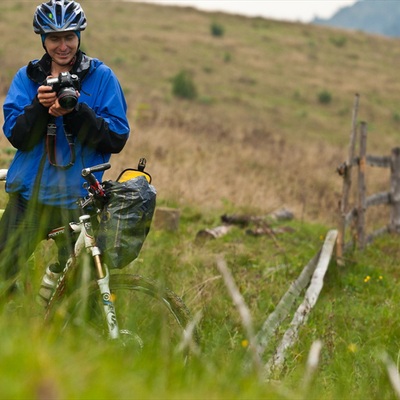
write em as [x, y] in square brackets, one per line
[288, 10]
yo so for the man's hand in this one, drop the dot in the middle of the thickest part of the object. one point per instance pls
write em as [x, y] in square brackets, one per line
[57, 111]
[48, 98]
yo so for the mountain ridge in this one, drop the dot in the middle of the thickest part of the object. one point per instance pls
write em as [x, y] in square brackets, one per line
[372, 16]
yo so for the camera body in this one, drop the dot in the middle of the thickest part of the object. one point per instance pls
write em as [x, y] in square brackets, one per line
[65, 86]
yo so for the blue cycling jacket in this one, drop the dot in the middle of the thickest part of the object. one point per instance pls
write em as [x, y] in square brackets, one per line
[98, 126]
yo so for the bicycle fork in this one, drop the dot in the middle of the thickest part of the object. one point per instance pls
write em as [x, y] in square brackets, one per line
[103, 277]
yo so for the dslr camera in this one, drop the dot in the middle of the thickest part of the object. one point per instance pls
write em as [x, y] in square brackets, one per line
[65, 86]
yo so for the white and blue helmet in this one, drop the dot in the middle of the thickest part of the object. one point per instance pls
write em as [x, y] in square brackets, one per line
[59, 16]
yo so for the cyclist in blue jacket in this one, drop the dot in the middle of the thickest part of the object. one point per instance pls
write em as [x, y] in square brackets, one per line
[54, 137]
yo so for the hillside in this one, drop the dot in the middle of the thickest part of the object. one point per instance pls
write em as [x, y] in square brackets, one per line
[273, 114]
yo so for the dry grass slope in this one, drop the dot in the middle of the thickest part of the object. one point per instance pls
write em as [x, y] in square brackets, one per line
[257, 137]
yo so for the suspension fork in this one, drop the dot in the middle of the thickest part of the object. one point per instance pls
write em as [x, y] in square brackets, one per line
[102, 275]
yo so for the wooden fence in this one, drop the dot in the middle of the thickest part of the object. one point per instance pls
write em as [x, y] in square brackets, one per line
[356, 216]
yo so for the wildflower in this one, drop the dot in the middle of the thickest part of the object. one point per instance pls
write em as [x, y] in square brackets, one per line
[245, 343]
[352, 348]
[367, 279]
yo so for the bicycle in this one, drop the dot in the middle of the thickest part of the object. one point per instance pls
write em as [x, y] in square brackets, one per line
[112, 303]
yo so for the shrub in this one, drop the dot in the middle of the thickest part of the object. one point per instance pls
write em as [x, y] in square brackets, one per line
[227, 57]
[338, 41]
[396, 116]
[183, 85]
[217, 29]
[324, 97]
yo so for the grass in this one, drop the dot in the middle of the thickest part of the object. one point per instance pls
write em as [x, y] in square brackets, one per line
[355, 317]
[257, 113]
[256, 139]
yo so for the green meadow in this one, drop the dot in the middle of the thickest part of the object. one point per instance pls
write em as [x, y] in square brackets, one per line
[265, 128]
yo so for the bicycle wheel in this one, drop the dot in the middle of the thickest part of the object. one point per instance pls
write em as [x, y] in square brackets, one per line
[148, 315]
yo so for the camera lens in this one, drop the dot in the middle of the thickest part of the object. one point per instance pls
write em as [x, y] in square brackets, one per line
[67, 98]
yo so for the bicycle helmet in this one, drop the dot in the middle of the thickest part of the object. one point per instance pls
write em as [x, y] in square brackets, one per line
[59, 16]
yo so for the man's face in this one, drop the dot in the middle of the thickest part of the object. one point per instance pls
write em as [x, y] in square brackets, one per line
[62, 47]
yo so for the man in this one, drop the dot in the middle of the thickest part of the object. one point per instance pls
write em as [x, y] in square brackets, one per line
[56, 141]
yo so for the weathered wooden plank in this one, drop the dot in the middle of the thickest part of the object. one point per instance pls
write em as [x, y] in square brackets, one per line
[344, 202]
[377, 199]
[361, 203]
[303, 311]
[378, 161]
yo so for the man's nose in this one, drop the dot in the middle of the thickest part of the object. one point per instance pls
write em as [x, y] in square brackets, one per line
[63, 44]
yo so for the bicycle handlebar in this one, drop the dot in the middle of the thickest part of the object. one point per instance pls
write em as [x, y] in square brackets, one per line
[95, 185]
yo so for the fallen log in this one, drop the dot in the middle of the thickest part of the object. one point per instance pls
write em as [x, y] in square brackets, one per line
[284, 306]
[310, 299]
[266, 230]
[261, 223]
[242, 220]
[246, 220]
[212, 233]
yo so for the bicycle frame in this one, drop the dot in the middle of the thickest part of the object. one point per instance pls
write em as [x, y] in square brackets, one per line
[86, 241]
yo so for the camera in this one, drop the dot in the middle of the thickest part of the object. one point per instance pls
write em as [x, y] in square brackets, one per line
[65, 85]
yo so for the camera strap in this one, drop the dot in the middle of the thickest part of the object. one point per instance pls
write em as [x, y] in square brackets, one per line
[51, 145]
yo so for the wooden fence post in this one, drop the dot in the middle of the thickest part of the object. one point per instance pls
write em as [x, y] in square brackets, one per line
[357, 215]
[344, 203]
[361, 205]
[394, 223]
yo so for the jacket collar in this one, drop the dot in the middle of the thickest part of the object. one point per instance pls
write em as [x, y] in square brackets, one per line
[38, 71]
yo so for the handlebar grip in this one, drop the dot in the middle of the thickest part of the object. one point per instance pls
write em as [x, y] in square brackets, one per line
[96, 168]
